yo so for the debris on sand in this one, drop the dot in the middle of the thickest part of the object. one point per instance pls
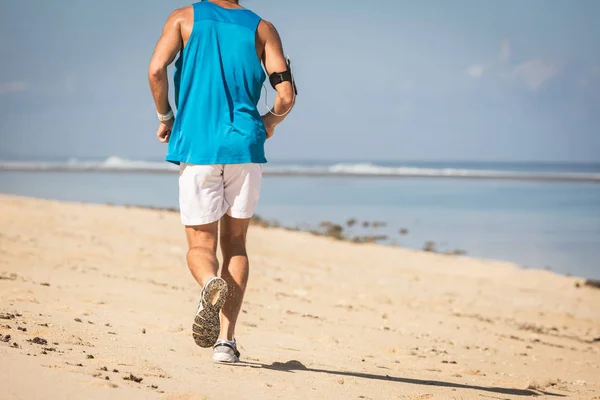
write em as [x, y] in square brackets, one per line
[5, 339]
[7, 316]
[104, 369]
[78, 320]
[22, 329]
[38, 340]
[133, 378]
[334, 231]
[11, 277]
[90, 357]
[45, 284]
[457, 252]
[404, 231]
[429, 247]
[593, 283]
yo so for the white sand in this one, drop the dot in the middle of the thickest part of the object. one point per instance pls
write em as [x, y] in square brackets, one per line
[322, 320]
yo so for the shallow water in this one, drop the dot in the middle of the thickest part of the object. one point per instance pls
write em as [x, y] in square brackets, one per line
[534, 224]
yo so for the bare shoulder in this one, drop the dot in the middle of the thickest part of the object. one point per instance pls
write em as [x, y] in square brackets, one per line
[181, 15]
[267, 31]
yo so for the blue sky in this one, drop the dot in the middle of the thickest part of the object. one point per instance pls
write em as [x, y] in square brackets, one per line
[392, 80]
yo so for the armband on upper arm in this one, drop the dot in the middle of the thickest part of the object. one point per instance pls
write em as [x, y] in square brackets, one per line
[278, 77]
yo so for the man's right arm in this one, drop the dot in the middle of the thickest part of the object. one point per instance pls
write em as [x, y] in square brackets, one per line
[274, 61]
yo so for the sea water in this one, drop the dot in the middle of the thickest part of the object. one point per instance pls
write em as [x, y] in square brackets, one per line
[544, 216]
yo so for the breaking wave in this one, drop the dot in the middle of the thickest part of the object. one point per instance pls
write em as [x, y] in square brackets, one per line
[117, 164]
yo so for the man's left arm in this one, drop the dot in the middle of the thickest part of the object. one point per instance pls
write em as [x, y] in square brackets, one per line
[169, 44]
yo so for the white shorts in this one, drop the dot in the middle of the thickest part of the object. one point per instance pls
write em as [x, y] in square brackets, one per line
[207, 192]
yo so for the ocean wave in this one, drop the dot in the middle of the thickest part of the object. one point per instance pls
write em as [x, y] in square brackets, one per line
[118, 164]
[111, 164]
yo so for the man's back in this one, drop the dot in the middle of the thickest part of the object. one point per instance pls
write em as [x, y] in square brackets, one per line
[218, 81]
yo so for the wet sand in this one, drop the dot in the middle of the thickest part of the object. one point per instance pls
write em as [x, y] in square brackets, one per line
[98, 303]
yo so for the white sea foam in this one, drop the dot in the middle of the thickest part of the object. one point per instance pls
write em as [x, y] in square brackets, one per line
[118, 164]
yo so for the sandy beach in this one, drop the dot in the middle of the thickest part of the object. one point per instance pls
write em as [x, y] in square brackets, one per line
[96, 302]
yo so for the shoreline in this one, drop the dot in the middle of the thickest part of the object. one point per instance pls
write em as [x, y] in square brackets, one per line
[331, 230]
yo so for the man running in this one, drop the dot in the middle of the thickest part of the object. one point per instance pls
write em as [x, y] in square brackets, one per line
[218, 142]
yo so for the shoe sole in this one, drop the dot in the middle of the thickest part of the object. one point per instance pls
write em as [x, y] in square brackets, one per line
[223, 358]
[207, 324]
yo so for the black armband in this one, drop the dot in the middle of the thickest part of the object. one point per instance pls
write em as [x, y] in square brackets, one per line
[278, 77]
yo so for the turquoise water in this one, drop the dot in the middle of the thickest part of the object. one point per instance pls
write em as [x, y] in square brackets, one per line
[535, 224]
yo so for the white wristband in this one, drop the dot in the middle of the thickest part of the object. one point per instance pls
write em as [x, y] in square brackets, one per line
[165, 117]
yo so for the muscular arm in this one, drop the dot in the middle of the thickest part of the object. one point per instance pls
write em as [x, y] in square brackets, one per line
[169, 44]
[274, 61]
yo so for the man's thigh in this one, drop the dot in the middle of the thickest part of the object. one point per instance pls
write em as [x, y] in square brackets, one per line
[242, 184]
[201, 194]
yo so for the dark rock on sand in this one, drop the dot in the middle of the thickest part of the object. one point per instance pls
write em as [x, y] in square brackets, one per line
[456, 252]
[38, 340]
[22, 329]
[375, 239]
[7, 316]
[335, 231]
[593, 283]
[78, 320]
[5, 339]
[404, 231]
[430, 247]
[133, 378]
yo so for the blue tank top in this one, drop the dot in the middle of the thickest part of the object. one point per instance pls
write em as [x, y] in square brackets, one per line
[218, 81]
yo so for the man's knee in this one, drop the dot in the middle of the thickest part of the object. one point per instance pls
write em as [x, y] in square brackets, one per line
[205, 252]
